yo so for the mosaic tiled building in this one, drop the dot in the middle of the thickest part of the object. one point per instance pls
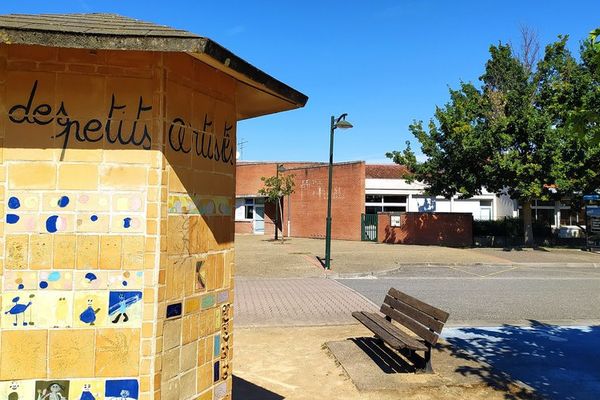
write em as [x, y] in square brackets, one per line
[117, 177]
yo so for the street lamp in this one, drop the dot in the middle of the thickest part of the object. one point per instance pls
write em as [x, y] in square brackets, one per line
[336, 123]
[280, 168]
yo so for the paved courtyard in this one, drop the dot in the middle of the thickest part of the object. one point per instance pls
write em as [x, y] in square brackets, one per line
[525, 318]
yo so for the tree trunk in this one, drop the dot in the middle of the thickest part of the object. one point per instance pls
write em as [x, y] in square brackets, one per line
[527, 224]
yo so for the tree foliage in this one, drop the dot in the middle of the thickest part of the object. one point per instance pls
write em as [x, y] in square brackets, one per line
[275, 188]
[518, 132]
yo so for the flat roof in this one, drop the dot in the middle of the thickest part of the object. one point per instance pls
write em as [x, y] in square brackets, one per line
[102, 31]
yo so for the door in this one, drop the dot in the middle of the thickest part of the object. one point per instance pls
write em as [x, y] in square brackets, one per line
[369, 227]
[259, 220]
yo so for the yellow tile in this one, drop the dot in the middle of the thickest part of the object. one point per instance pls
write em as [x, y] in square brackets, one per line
[123, 177]
[110, 252]
[128, 156]
[117, 352]
[205, 377]
[24, 354]
[64, 251]
[78, 176]
[41, 251]
[16, 251]
[32, 176]
[87, 251]
[71, 353]
[133, 252]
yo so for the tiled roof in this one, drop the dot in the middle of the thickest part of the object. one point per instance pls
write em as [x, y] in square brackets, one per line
[115, 32]
[90, 24]
[385, 171]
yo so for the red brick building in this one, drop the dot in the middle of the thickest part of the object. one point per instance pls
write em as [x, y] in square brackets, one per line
[358, 189]
[304, 212]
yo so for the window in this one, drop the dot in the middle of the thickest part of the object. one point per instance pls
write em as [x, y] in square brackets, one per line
[394, 199]
[394, 209]
[372, 209]
[544, 215]
[245, 207]
[375, 203]
[485, 210]
[373, 198]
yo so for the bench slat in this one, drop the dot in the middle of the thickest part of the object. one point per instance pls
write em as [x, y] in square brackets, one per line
[417, 315]
[392, 341]
[410, 342]
[421, 331]
[430, 310]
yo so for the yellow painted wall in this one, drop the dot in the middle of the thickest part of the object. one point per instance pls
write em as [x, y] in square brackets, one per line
[117, 186]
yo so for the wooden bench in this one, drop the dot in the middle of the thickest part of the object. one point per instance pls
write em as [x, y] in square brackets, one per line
[422, 319]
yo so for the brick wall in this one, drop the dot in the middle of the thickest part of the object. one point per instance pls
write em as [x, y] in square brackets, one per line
[444, 229]
[308, 203]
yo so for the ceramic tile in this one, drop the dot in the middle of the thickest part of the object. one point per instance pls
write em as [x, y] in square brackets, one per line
[16, 390]
[23, 355]
[125, 308]
[55, 280]
[90, 308]
[92, 222]
[20, 280]
[87, 389]
[128, 202]
[117, 352]
[93, 201]
[121, 389]
[126, 279]
[57, 201]
[22, 201]
[53, 309]
[17, 222]
[59, 389]
[71, 353]
[90, 280]
[19, 309]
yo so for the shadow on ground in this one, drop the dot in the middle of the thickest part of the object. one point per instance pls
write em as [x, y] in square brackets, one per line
[385, 358]
[242, 389]
[557, 362]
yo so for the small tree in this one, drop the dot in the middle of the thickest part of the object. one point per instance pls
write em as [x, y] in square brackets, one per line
[275, 188]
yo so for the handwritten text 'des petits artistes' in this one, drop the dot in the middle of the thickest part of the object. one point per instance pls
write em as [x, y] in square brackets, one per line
[134, 131]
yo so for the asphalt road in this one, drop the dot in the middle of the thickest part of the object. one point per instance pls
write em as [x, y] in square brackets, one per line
[496, 295]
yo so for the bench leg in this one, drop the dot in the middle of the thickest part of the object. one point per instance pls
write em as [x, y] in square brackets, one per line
[425, 367]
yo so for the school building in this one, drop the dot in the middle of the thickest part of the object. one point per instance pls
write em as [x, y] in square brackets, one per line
[363, 189]
[358, 188]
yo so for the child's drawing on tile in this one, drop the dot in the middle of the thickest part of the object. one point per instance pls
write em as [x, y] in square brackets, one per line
[92, 222]
[90, 280]
[62, 313]
[122, 389]
[16, 390]
[89, 308]
[93, 202]
[20, 280]
[53, 309]
[125, 307]
[84, 389]
[19, 310]
[126, 279]
[52, 390]
[56, 280]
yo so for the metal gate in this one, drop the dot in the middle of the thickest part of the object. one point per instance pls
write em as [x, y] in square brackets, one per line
[368, 227]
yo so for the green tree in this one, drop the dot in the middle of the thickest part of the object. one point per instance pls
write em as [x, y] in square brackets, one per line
[276, 188]
[511, 134]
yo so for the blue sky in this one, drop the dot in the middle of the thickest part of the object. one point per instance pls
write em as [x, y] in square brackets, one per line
[385, 62]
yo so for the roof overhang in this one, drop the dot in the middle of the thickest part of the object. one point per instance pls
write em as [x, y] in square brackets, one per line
[257, 94]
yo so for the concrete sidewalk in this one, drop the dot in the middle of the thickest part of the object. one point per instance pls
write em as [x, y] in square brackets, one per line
[260, 256]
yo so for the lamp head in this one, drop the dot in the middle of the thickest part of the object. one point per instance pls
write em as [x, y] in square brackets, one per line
[341, 122]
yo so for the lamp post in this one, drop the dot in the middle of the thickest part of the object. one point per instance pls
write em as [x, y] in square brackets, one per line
[340, 123]
[280, 168]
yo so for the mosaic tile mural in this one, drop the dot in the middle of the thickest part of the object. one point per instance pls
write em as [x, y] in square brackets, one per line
[64, 299]
[76, 389]
[85, 212]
